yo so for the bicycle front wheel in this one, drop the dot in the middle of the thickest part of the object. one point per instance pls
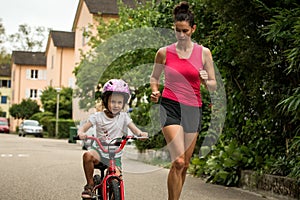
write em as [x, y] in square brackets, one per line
[114, 192]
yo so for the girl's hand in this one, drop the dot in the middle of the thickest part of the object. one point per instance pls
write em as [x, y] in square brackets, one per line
[82, 136]
[155, 96]
[143, 135]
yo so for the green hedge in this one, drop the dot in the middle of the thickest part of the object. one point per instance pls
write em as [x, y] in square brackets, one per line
[63, 127]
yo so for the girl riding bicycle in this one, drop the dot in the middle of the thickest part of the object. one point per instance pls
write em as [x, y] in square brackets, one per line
[110, 124]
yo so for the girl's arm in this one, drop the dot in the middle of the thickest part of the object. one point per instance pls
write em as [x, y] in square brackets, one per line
[81, 131]
[136, 131]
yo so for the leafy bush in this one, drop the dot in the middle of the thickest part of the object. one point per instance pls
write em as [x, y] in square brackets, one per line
[224, 164]
[63, 127]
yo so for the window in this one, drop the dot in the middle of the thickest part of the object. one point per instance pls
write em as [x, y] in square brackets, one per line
[3, 99]
[85, 37]
[52, 62]
[5, 83]
[34, 74]
[33, 93]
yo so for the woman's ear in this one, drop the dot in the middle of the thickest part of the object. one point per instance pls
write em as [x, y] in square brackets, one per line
[193, 28]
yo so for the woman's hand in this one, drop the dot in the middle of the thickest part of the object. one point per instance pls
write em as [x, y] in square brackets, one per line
[203, 75]
[155, 96]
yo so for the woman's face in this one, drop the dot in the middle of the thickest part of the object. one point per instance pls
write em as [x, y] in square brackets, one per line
[115, 103]
[183, 30]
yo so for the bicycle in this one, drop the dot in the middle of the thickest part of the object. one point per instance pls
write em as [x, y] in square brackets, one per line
[108, 185]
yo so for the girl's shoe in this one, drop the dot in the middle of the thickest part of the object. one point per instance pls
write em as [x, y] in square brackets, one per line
[87, 192]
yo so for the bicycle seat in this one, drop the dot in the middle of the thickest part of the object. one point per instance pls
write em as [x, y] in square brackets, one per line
[100, 166]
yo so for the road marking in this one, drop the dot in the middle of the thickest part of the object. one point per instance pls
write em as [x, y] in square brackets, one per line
[23, 155]
[11, 155]
[6, 155]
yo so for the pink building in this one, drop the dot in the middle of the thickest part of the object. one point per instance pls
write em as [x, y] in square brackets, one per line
[60, 59]
[29, 78]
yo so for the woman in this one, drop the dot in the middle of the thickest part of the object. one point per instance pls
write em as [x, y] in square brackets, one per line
[186, 65]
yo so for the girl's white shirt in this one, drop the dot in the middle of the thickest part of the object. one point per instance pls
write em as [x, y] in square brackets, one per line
[108, 129]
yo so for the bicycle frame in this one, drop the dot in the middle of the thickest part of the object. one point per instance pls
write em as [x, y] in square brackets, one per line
[111, 173]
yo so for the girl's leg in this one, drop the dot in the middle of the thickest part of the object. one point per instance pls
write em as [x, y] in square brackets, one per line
[90, 158]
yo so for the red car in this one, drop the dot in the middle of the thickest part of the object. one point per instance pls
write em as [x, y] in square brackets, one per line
[4, 127]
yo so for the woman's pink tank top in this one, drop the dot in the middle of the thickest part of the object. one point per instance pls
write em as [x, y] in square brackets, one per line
[182, 81]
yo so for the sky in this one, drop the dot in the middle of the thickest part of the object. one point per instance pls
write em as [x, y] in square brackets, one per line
[55, 14]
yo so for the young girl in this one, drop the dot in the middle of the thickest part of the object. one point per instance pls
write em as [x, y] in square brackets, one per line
[110, 124]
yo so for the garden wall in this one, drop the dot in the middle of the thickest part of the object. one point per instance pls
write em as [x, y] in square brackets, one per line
[271, 184]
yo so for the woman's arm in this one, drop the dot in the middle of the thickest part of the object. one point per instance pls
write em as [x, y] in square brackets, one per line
[208, 73]
[157, 70]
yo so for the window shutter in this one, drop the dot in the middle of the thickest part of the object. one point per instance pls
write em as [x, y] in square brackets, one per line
[39, 93]
[40, 74]
[28, 71]
[45, 74]
[71, 82]
[27, 93]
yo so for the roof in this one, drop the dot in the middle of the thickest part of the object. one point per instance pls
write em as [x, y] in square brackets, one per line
[63, 39]
[103, 7]
[29, 58]
[5, 70]
[106, 6]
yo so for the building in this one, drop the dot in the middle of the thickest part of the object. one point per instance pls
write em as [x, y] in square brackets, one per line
[60, 59]
[28, 77]
[5, 89]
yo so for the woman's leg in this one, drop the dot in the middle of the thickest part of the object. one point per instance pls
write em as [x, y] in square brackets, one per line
[190, 140]
[181, 147]
[175, 141]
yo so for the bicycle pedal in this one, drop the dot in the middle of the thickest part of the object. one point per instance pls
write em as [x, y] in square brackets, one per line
[91, 198]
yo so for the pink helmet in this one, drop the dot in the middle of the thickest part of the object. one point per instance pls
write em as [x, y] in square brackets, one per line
[115, 86]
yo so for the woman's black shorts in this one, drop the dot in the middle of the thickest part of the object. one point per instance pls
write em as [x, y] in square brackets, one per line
[173, 112]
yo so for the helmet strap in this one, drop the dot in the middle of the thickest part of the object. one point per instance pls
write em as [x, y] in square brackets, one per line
[109, 113]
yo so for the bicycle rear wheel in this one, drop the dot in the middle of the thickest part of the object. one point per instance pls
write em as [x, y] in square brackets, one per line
[114, 192]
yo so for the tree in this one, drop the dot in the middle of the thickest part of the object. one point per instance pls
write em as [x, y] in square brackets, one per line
[2, 33]
[28, 38]
[255, 45]
[25, 109]
[123, 48]
[49, 98]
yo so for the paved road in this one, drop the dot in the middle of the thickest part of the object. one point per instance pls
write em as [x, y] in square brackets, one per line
[45, 169]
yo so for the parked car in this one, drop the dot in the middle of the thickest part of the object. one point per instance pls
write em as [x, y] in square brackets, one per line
[30, 127]
[4, 126]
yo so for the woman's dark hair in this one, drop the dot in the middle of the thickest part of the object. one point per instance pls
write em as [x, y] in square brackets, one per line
[182, 12]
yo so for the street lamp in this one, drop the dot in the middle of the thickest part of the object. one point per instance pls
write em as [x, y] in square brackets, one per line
[57, 110]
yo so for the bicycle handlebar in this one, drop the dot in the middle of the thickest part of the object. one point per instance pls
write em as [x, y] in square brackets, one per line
[120, 144]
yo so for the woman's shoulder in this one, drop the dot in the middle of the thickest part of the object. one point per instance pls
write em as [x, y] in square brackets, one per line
[162, 51]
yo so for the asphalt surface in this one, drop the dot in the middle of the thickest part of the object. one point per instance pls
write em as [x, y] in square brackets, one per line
[44, 169]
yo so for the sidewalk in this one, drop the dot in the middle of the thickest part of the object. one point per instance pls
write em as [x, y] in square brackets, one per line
[136, 172]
